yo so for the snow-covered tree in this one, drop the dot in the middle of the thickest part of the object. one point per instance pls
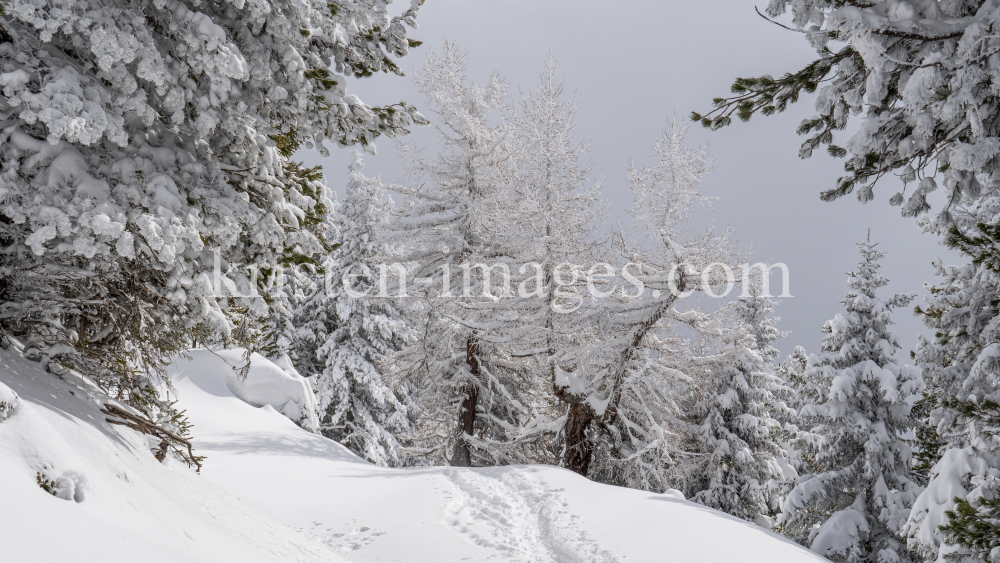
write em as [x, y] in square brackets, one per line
[757, 309]
[792, 371]
[353, 331]
[558, 213]
[961, 444]
[474, 395]
[287, 288]
[264, 320]
[913, 73]
[624, 396]
[853, 505]
[145, 142]
[738, 436]
[756, 312]
[552, 216]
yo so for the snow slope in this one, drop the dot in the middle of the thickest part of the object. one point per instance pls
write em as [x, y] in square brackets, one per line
[131, 506]
[523, 513]
[321, 502]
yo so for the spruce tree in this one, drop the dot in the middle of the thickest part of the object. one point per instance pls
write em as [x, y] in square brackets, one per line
[791, 394]
[738, 435]
[756, 312]
[852, 506]
[960, 441]
[792, 372]
[353, 331]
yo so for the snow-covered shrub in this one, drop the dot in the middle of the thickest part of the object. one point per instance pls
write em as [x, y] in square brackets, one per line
[68, 486]
[266, 383]
[8, 402]
[145, 143]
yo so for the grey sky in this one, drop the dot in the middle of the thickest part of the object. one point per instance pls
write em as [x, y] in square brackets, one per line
[634, 63]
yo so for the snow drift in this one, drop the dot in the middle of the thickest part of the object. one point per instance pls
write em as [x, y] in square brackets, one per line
[265, 383]
[271, 491]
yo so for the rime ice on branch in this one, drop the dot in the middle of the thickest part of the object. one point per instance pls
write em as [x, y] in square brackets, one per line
[144, 143]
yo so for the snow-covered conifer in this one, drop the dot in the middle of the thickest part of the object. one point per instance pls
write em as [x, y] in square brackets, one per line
[474, 395]
[553, 222]
[852, 507]
[558, 213]
[789, 398]
[626, 396]
[911, 71]
[756, 311]
[792, 371]
[738, 435]
[352, 331]
[145, 143]
[962, 403]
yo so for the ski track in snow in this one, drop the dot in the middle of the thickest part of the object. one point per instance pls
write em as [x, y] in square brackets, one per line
[520, 518]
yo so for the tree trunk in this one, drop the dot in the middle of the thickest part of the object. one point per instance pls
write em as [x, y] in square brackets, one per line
[462, 456]
[579, 450]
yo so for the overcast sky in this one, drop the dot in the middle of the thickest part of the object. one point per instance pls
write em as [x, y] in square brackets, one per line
[634, 63]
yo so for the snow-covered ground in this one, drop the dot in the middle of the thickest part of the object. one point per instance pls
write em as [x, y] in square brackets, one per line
[272, 492]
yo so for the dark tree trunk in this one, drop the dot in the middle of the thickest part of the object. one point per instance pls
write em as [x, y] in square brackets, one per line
[579, 449]
[462, 456]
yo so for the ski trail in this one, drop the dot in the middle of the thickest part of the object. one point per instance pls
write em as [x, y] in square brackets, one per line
[521, 519]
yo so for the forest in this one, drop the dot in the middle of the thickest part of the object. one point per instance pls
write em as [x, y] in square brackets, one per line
[501, 304]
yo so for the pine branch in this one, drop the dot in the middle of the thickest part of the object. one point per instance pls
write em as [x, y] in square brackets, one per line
[146, 426]
[767, 95]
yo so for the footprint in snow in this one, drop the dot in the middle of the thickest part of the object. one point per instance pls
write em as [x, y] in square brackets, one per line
[350, 540]
[517, 516]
